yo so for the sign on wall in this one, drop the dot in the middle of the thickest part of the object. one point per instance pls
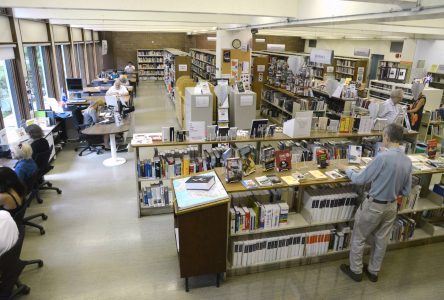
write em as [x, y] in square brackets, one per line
[321, 56]
[365, 52]
[104, 47]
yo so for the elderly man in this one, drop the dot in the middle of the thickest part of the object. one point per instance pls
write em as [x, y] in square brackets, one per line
[117, 89]
[391, 109]
[390, 175]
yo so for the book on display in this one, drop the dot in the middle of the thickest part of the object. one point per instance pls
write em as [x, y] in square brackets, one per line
[200, 183]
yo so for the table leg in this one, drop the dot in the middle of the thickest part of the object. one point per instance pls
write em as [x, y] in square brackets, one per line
[114, 160]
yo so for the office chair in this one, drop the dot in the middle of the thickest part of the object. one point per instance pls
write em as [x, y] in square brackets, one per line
[42, 161]
[10, 269]
[93, 142]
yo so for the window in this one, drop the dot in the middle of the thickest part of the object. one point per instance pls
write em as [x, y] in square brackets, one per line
[91, 68]
[61, 69]
[80, 62]
[8, 97]
[67, 66]
[99, 57]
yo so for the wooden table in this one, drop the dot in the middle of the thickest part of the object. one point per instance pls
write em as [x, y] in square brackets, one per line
[111, 130]
[100, 89]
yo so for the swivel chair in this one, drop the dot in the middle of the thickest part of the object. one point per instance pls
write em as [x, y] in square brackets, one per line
[42, 161]
[93, 143]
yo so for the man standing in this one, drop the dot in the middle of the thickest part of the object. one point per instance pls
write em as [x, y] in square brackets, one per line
[130, 68]
[390, 109]
[390, 175]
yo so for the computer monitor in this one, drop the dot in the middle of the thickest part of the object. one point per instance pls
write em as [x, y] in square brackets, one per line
[74, 84]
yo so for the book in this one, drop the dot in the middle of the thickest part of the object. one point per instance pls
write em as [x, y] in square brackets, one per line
[322, 157]
[317, 175]
[186, 199]
[334, 174]
[346, 124]
[354, 154]
[268, 158]
[249, 183]
[283, 160]
[322, 123]
[263, 181]
[233, 170]
[274, 179]
[200, 183]
[290, 180]
[431, 148]
[333, 126]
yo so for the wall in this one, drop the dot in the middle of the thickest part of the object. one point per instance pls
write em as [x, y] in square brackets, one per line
[200, 41]
[292, 43]
[77, 34]
[5, 30]
[432, 51]
[33, 32]
[60, 33]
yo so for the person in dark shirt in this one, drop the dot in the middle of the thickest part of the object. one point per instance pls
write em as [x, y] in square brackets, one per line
[38, 143]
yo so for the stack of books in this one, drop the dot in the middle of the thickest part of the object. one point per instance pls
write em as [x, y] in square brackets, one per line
[403, 229]
[156, 195]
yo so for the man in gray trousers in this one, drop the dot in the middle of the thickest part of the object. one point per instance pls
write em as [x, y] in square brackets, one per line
[390, 175]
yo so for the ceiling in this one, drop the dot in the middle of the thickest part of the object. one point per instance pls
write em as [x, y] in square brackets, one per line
[352, 19]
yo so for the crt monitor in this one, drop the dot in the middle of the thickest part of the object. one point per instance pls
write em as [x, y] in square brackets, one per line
[74, 84]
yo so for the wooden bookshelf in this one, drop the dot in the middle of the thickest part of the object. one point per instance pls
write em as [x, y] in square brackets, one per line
[177, 64]
[349, 67]
[203, 64]
[150, 64]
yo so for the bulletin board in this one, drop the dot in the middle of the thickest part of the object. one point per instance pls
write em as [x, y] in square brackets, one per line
[237, 59]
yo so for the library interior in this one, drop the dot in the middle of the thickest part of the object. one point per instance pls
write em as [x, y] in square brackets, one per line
[248, 149]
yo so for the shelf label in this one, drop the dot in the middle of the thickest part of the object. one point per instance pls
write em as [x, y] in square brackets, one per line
[183, 68]
[261, 68]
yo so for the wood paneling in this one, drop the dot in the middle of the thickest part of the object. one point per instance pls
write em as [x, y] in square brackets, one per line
[292, 43]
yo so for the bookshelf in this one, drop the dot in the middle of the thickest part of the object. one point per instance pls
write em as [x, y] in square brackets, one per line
[146, 151]
[394, 71]
[349, 67]
[203, 65]
[259, 71]
[150, 64]
[177, 64]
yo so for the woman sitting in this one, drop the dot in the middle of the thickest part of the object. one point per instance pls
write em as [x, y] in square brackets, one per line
[12, 191]
[38, 143]
[26, 166]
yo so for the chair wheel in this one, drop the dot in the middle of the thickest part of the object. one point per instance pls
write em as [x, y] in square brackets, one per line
[59, 191]
[49, 184]
[26, 290]
[40, 264]
[45, 217]
[40, 201]
[42, 232]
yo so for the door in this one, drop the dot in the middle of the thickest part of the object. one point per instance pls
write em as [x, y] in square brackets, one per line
[374, 63]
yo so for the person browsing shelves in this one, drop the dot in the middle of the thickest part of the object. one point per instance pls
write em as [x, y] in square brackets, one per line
[416, 109]
[26, 166]
[38, 143]
[390, 175]
[12, 191]
[391, 109]
[117, 89]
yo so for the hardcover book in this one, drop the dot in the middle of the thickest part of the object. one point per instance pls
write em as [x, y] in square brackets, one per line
[268, 158]
[354, 154]
[233, 170]
[200, 183]
[249, 183]
[263, 181]
[283, 160]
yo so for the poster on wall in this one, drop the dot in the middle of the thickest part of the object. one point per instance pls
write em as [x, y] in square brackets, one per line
[104, 47]
[234, 68]
[226, 55]
[360, 77]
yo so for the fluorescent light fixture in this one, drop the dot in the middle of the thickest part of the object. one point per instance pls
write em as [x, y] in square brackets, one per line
[211, 38]
[260, 40]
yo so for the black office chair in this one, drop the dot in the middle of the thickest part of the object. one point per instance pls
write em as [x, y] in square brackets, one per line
[32, 187]
[42, 161]
[94, 143]
[10, 269]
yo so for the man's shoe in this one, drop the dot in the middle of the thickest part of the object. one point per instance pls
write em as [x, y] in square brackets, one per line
[371, 277]
[346, 269]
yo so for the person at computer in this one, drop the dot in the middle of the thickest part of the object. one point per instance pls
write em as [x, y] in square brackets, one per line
[416, 109]
[130, 68]
[390, 109]
[118, 89]
[12, 191]
[38, 143]
[25, 166]
[90, 115]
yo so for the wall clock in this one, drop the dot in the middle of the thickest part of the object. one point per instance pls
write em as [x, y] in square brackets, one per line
[236, 43]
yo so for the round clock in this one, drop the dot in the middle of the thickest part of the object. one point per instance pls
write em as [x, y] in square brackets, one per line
[236, 43]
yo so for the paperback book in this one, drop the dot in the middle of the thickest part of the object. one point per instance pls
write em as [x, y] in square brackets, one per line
[268, 158]
[283, 160]
[249, 183]
[263, 181]
[233, 170]
[354, 154]
[200, 183]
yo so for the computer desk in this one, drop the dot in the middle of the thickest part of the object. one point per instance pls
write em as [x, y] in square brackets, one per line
[90, 99]
[99, 89]
[111, 130]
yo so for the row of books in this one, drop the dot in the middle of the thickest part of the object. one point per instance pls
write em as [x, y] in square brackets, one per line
[151, 66]
[259, 216]
[150, 60]
[279, 99]
[286, 247]
[403, 229]
[433, 213]
[151, 73]
[306, 104]
[408, 202]
[437, 115]
[329, 204]
[211, 59]
[150, 52]
[156, 195]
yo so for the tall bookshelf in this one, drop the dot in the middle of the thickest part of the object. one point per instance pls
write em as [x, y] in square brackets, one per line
[150, 64]
[349, 67]
[394, 71]
[203, 65]
[177, 63]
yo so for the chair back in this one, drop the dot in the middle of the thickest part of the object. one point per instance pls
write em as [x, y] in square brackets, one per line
[32, 187]
[77, 117]
[42, 160]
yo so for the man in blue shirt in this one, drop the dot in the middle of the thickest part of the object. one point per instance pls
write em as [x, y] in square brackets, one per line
[390, 175]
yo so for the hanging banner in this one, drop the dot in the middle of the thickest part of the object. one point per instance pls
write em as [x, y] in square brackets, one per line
[104, 47]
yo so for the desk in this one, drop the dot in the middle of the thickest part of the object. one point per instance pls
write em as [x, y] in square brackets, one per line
[100, 89]
[112, 130]
[90, 99]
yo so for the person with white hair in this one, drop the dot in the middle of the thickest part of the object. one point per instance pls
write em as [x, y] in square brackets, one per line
[415, 110]
[26, 166]
[118, 89]
[391, 109]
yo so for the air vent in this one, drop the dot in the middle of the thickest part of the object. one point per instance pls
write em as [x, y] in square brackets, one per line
[312, 43]
[396, 47]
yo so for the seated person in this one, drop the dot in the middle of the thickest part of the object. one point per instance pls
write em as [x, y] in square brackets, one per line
[124, 80]
[117, 89]
[391, 109]
[12, 191]
[9, 232]
[103, 74]
[114, 75]
[130, 68]
[90, 115]
[38, 143]
[26, 166]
